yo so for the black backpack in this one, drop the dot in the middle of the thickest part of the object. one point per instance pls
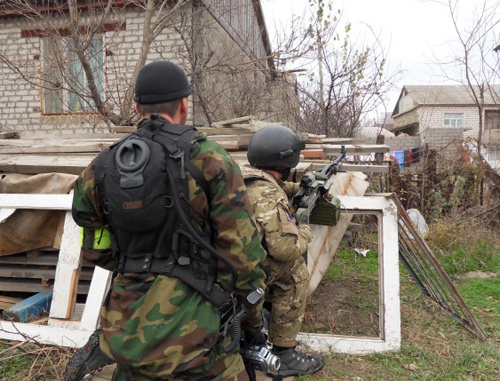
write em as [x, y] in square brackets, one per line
[131, 176]
[143, 184]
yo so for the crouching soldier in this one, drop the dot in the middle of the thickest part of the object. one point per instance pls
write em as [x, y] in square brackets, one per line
[273, 151]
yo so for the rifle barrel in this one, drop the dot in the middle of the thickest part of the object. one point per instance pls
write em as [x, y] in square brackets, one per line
[332, 167]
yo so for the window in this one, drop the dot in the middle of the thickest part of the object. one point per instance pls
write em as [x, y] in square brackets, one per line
[492, 120]
[453, 120]
[65, 86]
[493, 154]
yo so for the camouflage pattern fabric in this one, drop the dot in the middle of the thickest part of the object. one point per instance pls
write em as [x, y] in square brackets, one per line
[157, 327]
[286, 245]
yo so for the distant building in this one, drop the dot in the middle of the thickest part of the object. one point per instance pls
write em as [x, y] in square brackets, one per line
[445, 113]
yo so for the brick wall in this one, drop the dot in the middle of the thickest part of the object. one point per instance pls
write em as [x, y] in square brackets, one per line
[433, 117]
[20, 102]
[447, 143]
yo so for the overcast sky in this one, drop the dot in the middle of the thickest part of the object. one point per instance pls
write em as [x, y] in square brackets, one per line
[413, 32]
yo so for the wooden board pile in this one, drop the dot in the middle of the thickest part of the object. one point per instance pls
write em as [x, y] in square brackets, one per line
[72, 153]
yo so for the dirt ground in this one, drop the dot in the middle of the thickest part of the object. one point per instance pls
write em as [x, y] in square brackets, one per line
[347, 307]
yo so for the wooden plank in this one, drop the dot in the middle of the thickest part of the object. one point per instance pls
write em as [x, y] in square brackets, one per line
[4, 213]
[49, 259]
[95, 298]
[9, 135]
[32, 164]
[46, 259]
[81, 137]
[34, 272]
[31, 272]
[34, 285]
[36, 201]
[37, 147]
[326, 239]
[8, 301]
[59, 336]
[224, 131]
[316, 153]
[124, 129]
[67, 271]
[243, 140]
[334, 149]
[230, 145]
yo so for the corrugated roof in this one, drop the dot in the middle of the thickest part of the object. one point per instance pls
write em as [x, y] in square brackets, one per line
[451, 94]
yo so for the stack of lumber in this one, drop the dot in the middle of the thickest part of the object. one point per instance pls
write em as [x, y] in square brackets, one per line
[34, 154]
[34, 271]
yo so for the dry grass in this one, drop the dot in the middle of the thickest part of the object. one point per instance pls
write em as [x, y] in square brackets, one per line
[27, 361]
[455, 232]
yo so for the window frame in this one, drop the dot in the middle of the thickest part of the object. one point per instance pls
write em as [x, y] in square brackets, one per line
[453, 120]
[492, 117]
[62, 100]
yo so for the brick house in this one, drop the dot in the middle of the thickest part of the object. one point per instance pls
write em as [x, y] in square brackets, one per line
[210, 39]
[443, 116]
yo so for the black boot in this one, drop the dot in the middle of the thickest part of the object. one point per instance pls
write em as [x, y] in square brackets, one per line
[295, 363]
[86, 359]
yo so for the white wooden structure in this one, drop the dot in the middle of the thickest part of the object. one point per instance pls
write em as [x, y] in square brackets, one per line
[62, 330]
[384, 208]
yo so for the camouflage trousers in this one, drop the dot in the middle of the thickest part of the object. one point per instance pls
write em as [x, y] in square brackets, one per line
[227, 367]
[287, 292]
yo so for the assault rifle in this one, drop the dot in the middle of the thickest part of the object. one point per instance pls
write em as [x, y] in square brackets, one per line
[313, 203]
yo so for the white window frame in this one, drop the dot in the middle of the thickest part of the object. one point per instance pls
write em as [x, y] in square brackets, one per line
[64, 331]
[453, 120]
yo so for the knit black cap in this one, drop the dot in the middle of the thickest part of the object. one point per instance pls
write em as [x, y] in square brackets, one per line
[161, 81]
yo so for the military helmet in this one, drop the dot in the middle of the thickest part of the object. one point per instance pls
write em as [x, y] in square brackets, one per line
[275, 146]
[161, 81]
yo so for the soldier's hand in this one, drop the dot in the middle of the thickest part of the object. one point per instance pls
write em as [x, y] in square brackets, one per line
[306, 231]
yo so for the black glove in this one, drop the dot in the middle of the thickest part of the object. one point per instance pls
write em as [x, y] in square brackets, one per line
[255, 338]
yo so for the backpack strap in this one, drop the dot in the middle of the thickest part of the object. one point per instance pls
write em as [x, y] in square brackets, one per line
[175, 137]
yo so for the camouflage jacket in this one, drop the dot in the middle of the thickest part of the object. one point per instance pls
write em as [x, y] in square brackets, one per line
[281, 237]
[158, 324]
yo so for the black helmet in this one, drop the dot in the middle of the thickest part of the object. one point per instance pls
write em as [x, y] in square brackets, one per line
[161, 81]
[275, 146]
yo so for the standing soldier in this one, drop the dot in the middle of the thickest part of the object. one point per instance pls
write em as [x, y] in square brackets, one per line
[167, 211]
[272, 152]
